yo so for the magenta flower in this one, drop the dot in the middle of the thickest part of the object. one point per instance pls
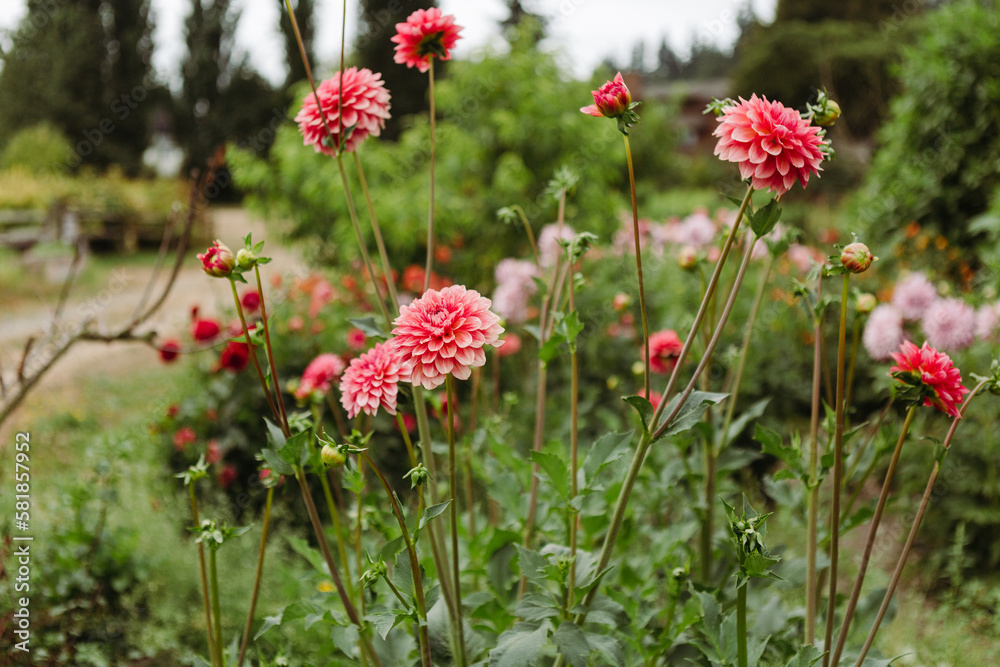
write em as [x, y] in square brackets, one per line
[883, 332]
[318, 376]
[365, 103]
[426, 34]
[932, 374]
[664, 348]
[217, 260]
[444, 333]
[913, 295]
[773, 145]
[610, 100]
[372, 380]
[169, 350]
[950, 324]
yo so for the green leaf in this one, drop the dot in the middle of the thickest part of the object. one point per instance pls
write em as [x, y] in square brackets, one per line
[736, 427]
[276, 463]
[369, 327]
[534, 607]
[393, 547]
[806, 657]
[384, 621]
[555, 469]
[274, 435]
[520, 646]
[603, 453]
[606, 647]
[763, 220]
[550, 350]
[532, 565]
[572, 644]
[643, 407]
[302, 548]
[269, 622]
[569, 328]
[772, 444]
[692, 411]
[432, 512]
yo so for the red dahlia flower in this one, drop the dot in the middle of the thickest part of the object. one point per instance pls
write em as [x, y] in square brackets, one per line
[931, 374]
[426, 34]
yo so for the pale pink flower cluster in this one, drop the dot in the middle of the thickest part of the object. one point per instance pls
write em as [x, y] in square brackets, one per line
[913, 295]
[805, 258]
[884, 332]
[549, 248]
[515, 287]
[950, 324]
[318, 376]
[988, 322]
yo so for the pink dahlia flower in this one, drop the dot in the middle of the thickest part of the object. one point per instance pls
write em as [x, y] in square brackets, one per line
[612, 99]
[372, 380]
[319, 374]
[883, 332]
[445, 332]
[184, 436]
[933, 373]
[950, 324]
[514, 289]
[913, 295]
[549, 248]
[426, 34]
[664, 348]
[365, 102]
[217, 260]
[772, 144]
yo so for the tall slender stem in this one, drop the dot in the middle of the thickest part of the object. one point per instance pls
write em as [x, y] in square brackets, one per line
[812, 522]
[258, 576]
[453, 511]
[204, 578]
[838, 468]
[275, 384]
[870, 542]
[379, 241]
[924, 501]
[361, 242]
[411, 550]
[638, 267]
[741, 624]
[574, 438]
[338, 530]
[216, 611]
[430, 210]
[253, 357]
[359, 507]
[710, 469]
[852, 358]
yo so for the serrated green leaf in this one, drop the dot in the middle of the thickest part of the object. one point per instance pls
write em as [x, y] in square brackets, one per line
[432, 512]
[393, 547]
[534, 607]
[556, 470]
[692, 411]
[763, 220]
[276, 463]
[274, 435]
[643, 407]
[269, 622]
[532, 565]
[302, 548]
[606, 647]
[384, 621]
[520, 646]
[807, 656]
[550, 350]
[771, 443]
[572, 644]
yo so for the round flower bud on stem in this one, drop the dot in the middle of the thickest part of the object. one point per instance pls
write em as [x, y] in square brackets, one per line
[218, 260]
[245, 259]
[856, 258]
[332, 456]
[828, 113]
[866, 303]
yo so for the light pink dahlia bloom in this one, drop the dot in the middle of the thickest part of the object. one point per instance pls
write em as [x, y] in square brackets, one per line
[933, 373]
[319, 374]
[426, 34]
[883, 332]
[372, 380]
[913, 295]
[549, 248]
[365, 104]
[445, 332]
[772, 144]
[988, 321]
[950, 324]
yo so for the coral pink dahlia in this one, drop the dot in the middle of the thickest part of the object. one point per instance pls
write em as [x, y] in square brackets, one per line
[772, 144]
[612, 99]
[664, 348]
[365, 103]
[372, 380]
[426, 34]
[445, 332]
[932, 374]
[318, 375]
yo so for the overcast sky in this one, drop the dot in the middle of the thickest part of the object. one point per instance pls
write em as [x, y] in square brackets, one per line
[584, 31]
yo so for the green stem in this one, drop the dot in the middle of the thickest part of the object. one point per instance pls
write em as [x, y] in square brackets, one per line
[359, 507]
[379, 241]
[812, 522]
[638, 266]
[838, 467]
[527, 229]
[852, 358]
[365, 258]
[411, 550]
[870, 542]
[430, 211]
[338, 530]
[213, 574]
[253, 357]
[708, 519]
[924, 501]
[204, 577]
[574, 438]
[275, 384]
[846, 513]
[258, 576]
[741, 624]
[453, 511]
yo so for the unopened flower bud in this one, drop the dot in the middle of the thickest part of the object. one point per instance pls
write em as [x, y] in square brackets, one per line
[827, 114]
[866, 303]
[218, 260]
[245, 259]
[332, 456]
[687, 258]
[418, 476]
[856, 258]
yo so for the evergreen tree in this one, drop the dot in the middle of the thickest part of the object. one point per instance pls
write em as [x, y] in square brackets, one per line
[305, 17]
[668, 64]
[373, 50]
[521, 18]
